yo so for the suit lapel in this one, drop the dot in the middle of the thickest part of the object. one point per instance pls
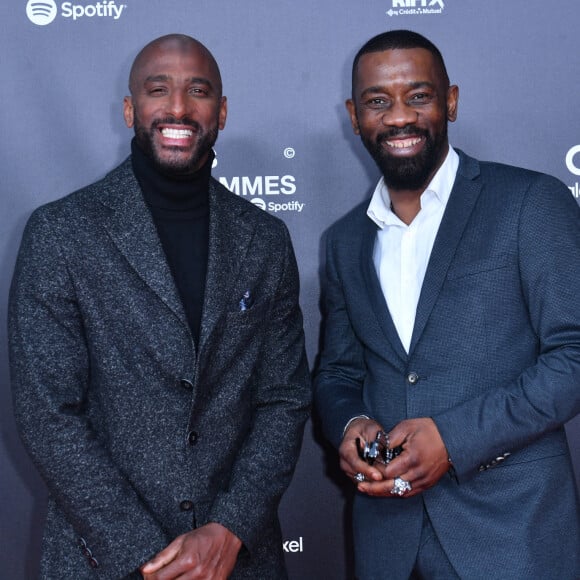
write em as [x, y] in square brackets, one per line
[459, 207]
[375, 292]
[230, 236]
[131, 228]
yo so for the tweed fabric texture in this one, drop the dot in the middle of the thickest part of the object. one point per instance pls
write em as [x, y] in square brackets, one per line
[495, 357]
[124, 418]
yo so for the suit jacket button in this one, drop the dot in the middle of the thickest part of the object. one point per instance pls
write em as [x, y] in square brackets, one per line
[186, 384]
[192, 437]
[186, 505]
[93, 563]
[412, 378]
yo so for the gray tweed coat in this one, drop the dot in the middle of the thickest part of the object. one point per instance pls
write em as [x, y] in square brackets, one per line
[138, 436]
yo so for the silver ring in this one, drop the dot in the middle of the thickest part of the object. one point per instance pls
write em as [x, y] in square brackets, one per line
[359, 477]
[401, 487]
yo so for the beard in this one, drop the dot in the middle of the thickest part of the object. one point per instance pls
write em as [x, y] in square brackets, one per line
[407, 173]
[163, 160]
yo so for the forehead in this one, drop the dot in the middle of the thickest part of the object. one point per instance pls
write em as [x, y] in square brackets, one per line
[175, 60]
[397, 66]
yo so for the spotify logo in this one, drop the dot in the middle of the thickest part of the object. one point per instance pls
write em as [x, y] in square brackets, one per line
[41, 12]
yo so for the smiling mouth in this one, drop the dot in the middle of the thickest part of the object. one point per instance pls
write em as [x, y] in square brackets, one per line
[404, 143]
[170, 133]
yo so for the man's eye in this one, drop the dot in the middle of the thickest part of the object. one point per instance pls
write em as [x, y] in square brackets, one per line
[420, 97]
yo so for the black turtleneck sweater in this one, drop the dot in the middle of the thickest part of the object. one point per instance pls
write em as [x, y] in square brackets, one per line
[180, 209]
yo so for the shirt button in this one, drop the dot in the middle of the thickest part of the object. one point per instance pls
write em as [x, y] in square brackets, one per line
[192, 437]
[186, 505]
[186, 384]
[412, 378]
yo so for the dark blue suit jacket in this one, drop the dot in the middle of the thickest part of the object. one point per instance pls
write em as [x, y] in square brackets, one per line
[496, 348]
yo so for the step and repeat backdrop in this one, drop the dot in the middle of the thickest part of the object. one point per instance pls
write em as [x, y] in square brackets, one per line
[287, 146]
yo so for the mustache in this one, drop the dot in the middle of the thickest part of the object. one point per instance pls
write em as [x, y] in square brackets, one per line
[171, 120]
[405, 131]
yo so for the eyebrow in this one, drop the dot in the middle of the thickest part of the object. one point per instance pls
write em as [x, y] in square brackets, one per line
[413, 85]
[192, 80]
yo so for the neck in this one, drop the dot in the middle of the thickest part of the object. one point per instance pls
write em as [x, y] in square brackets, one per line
[406, 204]
[172, 192]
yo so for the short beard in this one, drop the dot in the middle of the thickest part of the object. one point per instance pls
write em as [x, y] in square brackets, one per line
[174, 167]
[410, 173]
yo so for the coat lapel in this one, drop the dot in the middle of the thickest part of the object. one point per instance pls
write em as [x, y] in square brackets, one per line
[230, 237]
[461, 202]
[131, 228]
[375, 292]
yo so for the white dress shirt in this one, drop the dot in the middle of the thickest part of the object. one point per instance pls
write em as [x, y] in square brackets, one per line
[401, 252]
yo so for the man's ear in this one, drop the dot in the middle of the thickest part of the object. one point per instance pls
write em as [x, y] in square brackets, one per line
[351, 108]
[223, 113]
[452, 102]
[128, 112]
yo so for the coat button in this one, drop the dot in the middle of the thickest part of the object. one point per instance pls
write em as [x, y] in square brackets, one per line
[192, 437]
[412, 378]
[186, 505]
[93, 563]
[186, 384]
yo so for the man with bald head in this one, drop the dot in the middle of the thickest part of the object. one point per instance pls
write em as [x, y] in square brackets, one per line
[157, 353]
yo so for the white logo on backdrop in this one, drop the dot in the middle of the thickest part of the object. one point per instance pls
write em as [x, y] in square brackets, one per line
[259, 202]
[293, 546]
[41, 12]
[574, 168]
[268, 192]
[415, 7]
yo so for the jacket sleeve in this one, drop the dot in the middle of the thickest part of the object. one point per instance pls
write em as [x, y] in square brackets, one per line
[341, 371]
[547, 394]
[50, 376]
[265, 463]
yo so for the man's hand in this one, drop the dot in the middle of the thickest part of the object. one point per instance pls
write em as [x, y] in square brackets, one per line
[350, 462]
[422, 463]
[208, 553]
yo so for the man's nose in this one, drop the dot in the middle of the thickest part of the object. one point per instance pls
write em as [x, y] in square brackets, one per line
[178, 104]
[400, 114]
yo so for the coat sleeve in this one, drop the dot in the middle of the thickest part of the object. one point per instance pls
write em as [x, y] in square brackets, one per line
[50, 376]
[547, 394]
[341, 371]
[265, 463]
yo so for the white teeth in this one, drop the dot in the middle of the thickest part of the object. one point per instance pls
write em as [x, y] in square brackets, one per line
[176, 133]
[402, 144]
